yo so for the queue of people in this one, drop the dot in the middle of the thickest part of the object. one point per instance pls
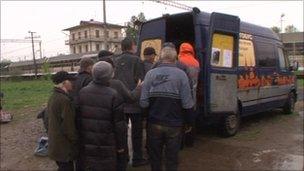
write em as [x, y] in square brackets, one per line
[89, 114]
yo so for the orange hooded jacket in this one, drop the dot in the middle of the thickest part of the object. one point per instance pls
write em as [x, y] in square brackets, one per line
[186, 55]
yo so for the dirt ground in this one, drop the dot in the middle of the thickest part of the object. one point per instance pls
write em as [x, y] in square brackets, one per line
[267, 141]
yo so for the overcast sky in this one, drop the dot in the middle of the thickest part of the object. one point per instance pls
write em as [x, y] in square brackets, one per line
[49, 18]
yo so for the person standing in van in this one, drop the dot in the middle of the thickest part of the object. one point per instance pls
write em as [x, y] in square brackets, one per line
[129, 70]
[187, 57]
[166, 94]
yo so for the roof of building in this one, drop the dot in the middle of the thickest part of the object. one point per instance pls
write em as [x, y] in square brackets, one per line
[94, 23]
[54, 59]
[295, 37]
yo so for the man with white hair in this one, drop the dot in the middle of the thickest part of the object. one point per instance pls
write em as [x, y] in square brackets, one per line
[166, 93]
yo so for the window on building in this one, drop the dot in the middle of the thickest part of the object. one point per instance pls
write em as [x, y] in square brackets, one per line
[265, 55]
[222, 50]
[97, 33]
[74, 49]
[86, 48]
[73, 36]
[282, 60]
[85, 34]
[115, 34]
[79, 49]
[108, 47]
[79, 35]
[107, 34]
[246, 53]
[97, 47]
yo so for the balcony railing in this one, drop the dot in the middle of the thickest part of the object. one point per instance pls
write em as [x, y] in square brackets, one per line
[98, 39]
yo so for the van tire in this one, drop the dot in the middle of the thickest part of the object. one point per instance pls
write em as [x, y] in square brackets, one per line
[229, 125]
[290, 104]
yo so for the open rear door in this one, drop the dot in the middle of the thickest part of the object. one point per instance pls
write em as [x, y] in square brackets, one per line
[222, 64]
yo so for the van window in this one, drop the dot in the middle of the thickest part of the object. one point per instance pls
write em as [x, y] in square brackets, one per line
[282, 60]
[265, 54]
[246, 53]
[222, 50]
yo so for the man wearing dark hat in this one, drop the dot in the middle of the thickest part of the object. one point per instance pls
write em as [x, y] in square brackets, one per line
[149, 56]
[103, 129]
[62, 130]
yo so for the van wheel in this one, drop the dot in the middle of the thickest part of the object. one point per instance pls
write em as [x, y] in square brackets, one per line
[229, 125]
[290, 104]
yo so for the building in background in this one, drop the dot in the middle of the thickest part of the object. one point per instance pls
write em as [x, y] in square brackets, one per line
[294, 46]
[89, 36]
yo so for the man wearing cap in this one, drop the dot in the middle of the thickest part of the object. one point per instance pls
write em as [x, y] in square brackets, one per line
[149, 56]
[62, 130]
[103, 129]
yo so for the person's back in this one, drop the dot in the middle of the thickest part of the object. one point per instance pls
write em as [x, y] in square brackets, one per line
[128, 69]
[84, 77]
[166, 93]
[167, 86]
[187, 57]
[103, 130]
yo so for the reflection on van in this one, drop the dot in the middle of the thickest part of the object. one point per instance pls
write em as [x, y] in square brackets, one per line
[243, 69]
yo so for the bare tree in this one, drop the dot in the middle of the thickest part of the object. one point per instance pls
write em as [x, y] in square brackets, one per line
[290, 29]
[276, 29]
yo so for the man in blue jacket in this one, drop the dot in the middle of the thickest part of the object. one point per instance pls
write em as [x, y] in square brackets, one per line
[167, 94]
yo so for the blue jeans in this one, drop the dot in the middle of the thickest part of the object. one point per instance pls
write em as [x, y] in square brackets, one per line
[167, 139]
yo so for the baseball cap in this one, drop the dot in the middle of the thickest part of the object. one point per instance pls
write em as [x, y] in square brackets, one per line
[61, 76]
[149, 51]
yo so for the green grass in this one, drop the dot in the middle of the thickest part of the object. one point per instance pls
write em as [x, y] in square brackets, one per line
[25, 94]
[300, 82]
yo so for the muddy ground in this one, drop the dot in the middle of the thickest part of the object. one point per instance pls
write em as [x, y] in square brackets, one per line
[267, 141]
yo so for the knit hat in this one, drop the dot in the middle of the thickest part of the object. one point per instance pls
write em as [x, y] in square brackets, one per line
[102, 72]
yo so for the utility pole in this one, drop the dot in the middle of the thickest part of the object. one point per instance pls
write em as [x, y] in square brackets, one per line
[40, 49]
[33, 48]
[105, 25]
[281, 20]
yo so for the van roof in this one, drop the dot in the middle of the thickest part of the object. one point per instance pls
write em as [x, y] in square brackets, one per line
[245, 27]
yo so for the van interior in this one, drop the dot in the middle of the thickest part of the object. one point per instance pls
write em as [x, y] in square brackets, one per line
[180, 29]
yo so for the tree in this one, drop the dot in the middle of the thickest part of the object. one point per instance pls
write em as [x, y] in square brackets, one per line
[276, 29]
[290, 29]
[134, 24]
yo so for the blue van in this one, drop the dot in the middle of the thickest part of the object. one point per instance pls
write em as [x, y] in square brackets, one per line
[243, 67]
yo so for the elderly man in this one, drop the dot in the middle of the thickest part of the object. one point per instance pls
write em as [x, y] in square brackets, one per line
[166, 93]
[62, 130]
[103, 129]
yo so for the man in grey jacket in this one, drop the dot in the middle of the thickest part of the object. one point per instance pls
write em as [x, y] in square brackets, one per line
[166, 93]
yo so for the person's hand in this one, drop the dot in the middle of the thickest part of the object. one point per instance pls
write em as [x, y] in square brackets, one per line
[139, 83]
[120, 150]
[188, 129]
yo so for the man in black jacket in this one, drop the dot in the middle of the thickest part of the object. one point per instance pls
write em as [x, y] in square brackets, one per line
[103, 129]
[129, 70]
[84, 76]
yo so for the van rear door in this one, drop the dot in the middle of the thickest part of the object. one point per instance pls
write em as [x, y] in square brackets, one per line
[152, 34]
[222, 63]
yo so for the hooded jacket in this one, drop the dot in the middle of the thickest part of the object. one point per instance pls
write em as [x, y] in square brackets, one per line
[187, 57]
